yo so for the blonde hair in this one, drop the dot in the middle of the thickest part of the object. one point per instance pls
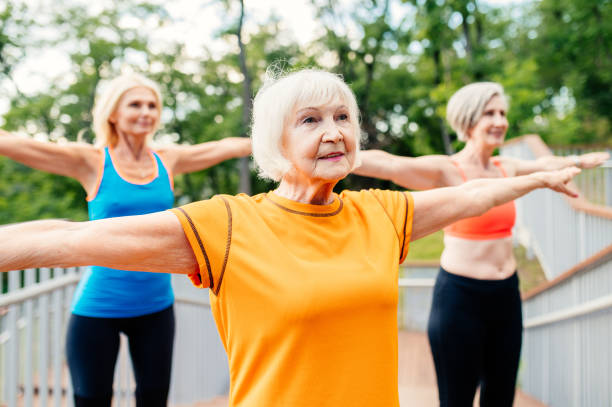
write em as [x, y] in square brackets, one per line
[276, 101]
[106, 104]
[466, 106]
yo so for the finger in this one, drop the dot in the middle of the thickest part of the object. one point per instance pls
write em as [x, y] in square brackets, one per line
[569, 191]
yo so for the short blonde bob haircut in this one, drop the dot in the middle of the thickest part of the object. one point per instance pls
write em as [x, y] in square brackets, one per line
[278, 99]
[107, 101]
[466, 106]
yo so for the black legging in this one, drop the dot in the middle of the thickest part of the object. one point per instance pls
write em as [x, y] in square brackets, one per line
[92, 345]
[475, 330]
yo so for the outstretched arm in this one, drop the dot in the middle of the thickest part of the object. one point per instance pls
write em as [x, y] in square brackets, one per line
[153, 242]
[75, 160]
[551, 162]
[182, 159]
[440, 207]
[418, 173]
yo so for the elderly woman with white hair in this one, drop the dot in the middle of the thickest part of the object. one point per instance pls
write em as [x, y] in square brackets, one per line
[122, 175]
[475, 325]
[302, 280]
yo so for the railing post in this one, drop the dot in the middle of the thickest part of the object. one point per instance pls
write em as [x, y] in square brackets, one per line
[607, 176]
[12, 348]
[582, 237]
[28, 390]
[56, 343]
[43, 342]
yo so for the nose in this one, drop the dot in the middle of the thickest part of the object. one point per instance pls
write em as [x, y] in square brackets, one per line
[146, 110]
[332, 133]
[500, 120]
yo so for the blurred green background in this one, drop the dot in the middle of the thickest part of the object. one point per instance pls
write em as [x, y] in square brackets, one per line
[403, 59]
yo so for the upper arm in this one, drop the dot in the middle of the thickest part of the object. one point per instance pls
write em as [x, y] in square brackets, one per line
[75, 160]
[418, 173]
[154, 242]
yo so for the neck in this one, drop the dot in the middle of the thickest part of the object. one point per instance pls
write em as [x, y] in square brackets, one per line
[314, 193]
[133, 145]
[477, 153]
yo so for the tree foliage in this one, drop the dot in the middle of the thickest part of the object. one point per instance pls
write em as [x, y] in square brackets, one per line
[402, 58]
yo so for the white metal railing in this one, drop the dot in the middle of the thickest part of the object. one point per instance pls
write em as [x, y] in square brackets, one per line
[559, 231]
[595, 184]
[36, 312]
[415, 293]
[567, 348]
[33, 318]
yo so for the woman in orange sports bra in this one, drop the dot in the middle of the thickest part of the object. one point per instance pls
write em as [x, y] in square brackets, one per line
[475, 324]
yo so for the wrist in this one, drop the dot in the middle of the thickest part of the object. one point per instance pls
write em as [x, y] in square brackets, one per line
[576, 161]
[539, 178]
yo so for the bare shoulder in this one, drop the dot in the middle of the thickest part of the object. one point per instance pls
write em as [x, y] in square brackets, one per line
[509, 164]
[169, 152]
[90, 155]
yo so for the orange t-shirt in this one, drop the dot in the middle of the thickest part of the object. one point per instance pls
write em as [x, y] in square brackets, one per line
[304, 296]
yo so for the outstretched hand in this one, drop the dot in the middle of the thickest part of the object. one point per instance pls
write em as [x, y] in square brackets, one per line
[592, 160]
[559, 180]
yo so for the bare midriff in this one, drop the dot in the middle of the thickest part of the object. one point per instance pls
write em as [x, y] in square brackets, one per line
[481, 259]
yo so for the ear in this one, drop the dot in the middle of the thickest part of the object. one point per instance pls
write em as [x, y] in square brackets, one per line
[112, 118]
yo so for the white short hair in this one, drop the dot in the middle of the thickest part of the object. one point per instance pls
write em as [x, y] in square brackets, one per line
[466, 106]
[276, 101]
[106, 104]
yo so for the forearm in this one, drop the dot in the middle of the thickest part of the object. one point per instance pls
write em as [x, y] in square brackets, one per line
[551, 162]
[480, 195]
[440, 207]
[234, 147]
[44, 243]
[375, 164]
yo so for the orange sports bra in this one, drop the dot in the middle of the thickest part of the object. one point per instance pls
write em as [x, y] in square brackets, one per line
[496, 223]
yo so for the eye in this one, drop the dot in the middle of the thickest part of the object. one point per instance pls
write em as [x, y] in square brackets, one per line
[309, 119]
[134, 104]
[152, 105]
[343, 117]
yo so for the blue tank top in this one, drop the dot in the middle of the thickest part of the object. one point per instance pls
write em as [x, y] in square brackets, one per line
[109, 293]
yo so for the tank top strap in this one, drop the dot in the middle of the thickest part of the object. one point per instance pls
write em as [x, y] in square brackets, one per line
[163, 169]
[460, 170]
[501, 167]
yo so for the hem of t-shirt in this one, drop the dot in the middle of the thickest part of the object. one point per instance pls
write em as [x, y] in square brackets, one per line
[139, 313]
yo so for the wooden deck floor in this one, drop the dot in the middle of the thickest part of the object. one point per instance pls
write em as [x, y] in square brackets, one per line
[417, 378]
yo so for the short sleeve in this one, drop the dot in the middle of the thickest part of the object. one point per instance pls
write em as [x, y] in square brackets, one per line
[399, 207]
[207, 226]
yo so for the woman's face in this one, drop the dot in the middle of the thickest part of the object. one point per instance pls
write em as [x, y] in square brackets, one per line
[320, 142]
[137, 112]
[492, 126]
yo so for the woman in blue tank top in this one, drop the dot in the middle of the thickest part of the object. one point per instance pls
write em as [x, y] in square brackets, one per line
[122, 176]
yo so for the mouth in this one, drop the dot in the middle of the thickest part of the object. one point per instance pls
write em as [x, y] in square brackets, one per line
[335, 156]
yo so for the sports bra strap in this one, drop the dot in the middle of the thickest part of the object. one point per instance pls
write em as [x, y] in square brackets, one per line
[495, 162]
[501, 168]
[460, 170]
